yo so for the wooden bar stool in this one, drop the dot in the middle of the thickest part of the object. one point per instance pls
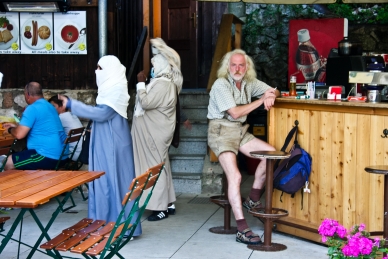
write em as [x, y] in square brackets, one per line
[381, 169]
[223, 202]
[269, 214]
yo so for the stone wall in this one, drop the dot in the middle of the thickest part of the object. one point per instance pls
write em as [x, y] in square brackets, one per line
[12, 100]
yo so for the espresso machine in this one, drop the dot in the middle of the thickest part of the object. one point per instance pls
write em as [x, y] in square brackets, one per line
[373, 81]
[337, 73]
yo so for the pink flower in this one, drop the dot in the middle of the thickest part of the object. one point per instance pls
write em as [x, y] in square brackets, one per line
[361, 227]
[328, 227]
[354, 243]
[341, 231]
[357, 245]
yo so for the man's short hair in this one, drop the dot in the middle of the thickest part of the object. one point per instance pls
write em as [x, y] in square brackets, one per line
[56, 100]
[34, 89]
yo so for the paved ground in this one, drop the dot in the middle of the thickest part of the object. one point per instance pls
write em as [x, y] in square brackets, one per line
[182, 236]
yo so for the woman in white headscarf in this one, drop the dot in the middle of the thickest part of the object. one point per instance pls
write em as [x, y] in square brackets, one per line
[110, 147]
[154, 123]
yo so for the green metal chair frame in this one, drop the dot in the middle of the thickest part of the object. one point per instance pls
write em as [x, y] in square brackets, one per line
[73, 136]
[92, 239]
[6, 149]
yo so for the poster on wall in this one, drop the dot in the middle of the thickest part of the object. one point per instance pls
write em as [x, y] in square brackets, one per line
[310, 42]
[9, 33]
[43, 33]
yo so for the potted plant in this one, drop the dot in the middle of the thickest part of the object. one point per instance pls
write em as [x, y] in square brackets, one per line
[353, 243]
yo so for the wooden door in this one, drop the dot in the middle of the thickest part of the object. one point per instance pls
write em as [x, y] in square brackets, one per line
[179, 31]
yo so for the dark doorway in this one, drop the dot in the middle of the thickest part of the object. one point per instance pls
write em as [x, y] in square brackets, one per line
[179, 31]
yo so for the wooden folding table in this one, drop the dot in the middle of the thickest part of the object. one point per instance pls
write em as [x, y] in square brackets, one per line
[27, 189]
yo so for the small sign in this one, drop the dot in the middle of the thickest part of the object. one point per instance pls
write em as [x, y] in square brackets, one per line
[259, 130]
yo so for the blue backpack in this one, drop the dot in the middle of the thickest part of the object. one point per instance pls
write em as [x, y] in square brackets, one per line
[291, 174]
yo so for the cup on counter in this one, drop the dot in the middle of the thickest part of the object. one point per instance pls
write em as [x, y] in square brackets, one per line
[311, 93]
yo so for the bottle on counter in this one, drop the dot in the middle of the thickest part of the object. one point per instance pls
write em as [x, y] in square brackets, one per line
[307, 57]
[292, 86]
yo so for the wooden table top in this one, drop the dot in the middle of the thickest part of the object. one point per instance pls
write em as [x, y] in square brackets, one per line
[30, 188]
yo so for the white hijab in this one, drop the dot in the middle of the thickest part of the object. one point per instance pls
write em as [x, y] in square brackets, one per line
[112, 85]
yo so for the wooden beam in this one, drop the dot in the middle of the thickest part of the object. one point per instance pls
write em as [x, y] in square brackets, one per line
[157, 18]
[146, 49]
[83, 3]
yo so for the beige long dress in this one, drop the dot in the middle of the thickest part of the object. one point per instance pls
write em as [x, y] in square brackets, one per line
[152, 134]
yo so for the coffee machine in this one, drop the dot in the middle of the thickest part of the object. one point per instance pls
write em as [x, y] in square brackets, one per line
[338, 67]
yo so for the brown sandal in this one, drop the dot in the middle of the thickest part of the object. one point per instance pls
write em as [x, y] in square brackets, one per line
[242, 237]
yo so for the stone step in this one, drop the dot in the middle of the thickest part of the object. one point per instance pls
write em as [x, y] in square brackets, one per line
[187, 163]
[187, 182]
[190, 145]
[199, 129]
[194, 97]
[196, 112]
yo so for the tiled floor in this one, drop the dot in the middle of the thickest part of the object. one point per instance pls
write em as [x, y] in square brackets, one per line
[180, 236]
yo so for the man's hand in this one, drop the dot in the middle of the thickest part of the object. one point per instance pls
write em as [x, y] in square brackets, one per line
[187, 124]
[141, 77]
[268, 98]
[19, 131]
[63, 99]
[7, 125]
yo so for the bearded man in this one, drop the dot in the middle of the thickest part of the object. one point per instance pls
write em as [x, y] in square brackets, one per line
[230, 103]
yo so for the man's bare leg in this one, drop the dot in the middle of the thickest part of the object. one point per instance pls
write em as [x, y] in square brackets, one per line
[228, 162]
[260, 173]
[9, 165]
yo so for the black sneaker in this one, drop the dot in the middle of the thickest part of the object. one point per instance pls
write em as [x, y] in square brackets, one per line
[158, 215]
[171, 209]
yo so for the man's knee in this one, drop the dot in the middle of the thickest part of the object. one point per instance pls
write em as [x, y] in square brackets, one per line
[235, 180]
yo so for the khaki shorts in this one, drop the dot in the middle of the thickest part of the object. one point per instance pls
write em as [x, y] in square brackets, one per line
[224, 135]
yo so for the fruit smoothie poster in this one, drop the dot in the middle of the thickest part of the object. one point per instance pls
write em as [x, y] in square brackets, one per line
[43, 33]
[310, 42]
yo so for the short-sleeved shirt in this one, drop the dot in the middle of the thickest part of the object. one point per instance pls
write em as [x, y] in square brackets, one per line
[46, 133]
[225, 95]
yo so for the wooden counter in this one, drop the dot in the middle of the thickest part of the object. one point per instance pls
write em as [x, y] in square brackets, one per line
[342, 138]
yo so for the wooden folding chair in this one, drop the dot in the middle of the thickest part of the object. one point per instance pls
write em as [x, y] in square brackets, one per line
[6, 145]
[98, 238]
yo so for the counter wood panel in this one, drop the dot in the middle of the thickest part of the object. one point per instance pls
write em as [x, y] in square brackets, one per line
[342, 138]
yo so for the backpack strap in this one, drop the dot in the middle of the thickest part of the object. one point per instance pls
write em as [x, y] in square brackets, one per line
[301, 203]
[293, 131]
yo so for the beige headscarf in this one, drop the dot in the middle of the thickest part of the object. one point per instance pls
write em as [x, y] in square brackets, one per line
[160, 47]
[112, 85]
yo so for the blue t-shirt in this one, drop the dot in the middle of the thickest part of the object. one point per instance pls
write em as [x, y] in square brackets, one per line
[46, 133]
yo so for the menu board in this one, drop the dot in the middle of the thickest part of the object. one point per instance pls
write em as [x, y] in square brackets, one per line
[43, 33]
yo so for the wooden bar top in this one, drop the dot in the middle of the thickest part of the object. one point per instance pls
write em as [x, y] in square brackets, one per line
[332, 102]
[29, 188]
[335, 106]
